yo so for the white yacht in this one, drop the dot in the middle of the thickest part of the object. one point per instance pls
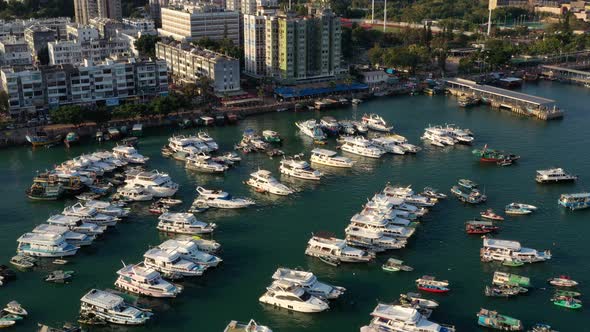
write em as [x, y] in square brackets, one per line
[156, 183]
[388, 145]
[76, 224]
[142, 280]
[171, 264]
[45, 245]
[505, 250]
[398, 318]
[203, 163]
[393, 217]
[288, 295]
[403, 143]
[298, 168]
[183, 223]
[251, 326]
[129, 154]
[375, 122]
[73, 238]
[330, 158]
[189, 250]
[312, 129]
[134, 194]
[554, 175]
[263, 181]
[189, 145]
[463, 136]
[362, 147]
[408, 195]
[111, 308]
[208, 140]
[337, 249]
[89, 214]
[309, 282]
[220, 199]
[378, 223]
[107, 208]
[208, 246]
[438, 135]
[372, 239]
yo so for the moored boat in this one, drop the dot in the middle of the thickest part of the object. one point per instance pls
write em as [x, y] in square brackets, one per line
[431, 285]
[575, 201]
[251, 326]
[554, 175]
[494, 320]
[563, 281]
[489, 214]
[41, 138]
[490, 155]
[111, 308]
[480, 227]
[394, 265]
[567, 302]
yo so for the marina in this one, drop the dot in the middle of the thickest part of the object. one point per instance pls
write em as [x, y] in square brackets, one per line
[275, 231]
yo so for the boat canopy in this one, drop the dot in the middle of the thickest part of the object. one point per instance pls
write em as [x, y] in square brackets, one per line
[501, 244]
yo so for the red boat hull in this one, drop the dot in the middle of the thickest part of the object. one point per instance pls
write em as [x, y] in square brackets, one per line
[480, 231]
[432, 290]
[489, 160]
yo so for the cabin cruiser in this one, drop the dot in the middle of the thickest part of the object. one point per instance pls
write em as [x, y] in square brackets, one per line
[575, 201]
[134, 194]
[372, 239]
[76, 224]
[398, 318]
[111, 308]
[190, 251]
[438, 135]
[401, 205]
[251, 326]
[330, 125]
[309, 282]
[312, 129]
[73, 238]
[107, 208]
[362, 147]
[329, 158]
[347, 127]
[171, 264]
[220, 199]
[156, 183]
[408, 195]
[263, 181]
[375, 122]
[554, 175]
[337, 249]
[391, 216]
[388, 145]
[378, 223]
[142, 280]
[505, 250]
[129, 154]
[463, 136]
[45, 245]
[183, 223]
[203, 163]
[187, 145]
[402, 142]
[289, 295]
[89, 214]
[298, 168]
[208, 140]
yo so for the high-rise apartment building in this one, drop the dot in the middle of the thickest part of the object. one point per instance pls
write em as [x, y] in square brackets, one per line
[84, 10]
[109, 9]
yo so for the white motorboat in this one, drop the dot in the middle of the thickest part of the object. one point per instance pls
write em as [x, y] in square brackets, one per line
[188, 145]
[388, 145]
[134, 194]
[438, 136]
[402, 142]
[73, 238]
[208, 246]
[263, 181]
[398, 318]
[183, 223]
[189, 250]
[375, 122]
[288, 295]
[142, 280]
[76, 224]
[208, 140]
[111, 308]
[330, 158]
[372, 239]
[171, 264]
[463, 136]
[361, 146]
[298, 168]
[15, 308]
[129, 154]
[408, 195]
[89, 214]
[203, 163]
[379, 223]
[309, 282]
[45, 245]
[505, 250]
[554, 175]
[312, 129]
[156, 183]
[220, 199]
[327, 246]
[107, 208]
[251, 326]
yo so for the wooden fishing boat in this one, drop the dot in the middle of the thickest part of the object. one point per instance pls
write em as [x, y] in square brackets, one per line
[480, 227]
[489, 214]
[567, 302]
[567, 293]
[512, 262]
[563, 281]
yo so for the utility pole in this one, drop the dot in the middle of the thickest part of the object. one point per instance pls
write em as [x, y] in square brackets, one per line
[385, 16]
[490, 22]
[372, 11]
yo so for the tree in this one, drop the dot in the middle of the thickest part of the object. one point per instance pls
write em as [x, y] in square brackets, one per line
[69, 114]
[99, 115]
[146, 45]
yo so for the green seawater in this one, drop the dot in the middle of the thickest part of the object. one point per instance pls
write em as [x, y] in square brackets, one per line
[274, 233]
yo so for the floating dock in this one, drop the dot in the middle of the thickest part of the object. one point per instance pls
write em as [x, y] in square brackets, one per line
[517, 102]
[571, 75]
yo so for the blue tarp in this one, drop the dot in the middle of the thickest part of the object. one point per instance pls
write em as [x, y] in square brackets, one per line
[290, 92]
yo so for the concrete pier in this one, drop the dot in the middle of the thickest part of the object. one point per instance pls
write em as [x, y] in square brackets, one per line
[517, 102]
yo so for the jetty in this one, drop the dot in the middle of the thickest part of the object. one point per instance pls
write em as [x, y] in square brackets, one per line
[569, 74]
[498, 98]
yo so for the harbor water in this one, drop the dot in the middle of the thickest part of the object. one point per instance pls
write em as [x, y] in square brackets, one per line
[274, 233]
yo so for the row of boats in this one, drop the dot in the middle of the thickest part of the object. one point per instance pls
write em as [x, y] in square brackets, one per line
[329, 126]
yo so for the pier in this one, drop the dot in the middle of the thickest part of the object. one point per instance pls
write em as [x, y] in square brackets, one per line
[571, 74]
[517, 102]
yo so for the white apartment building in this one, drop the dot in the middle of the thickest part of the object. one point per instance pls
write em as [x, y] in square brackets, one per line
[95, 50]
[107, 83]
[255, 41]
[14, 52]
[17, 28]
[194, 22]
[140, 24]
[251, 7]
[187, 64]
[82, 33]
